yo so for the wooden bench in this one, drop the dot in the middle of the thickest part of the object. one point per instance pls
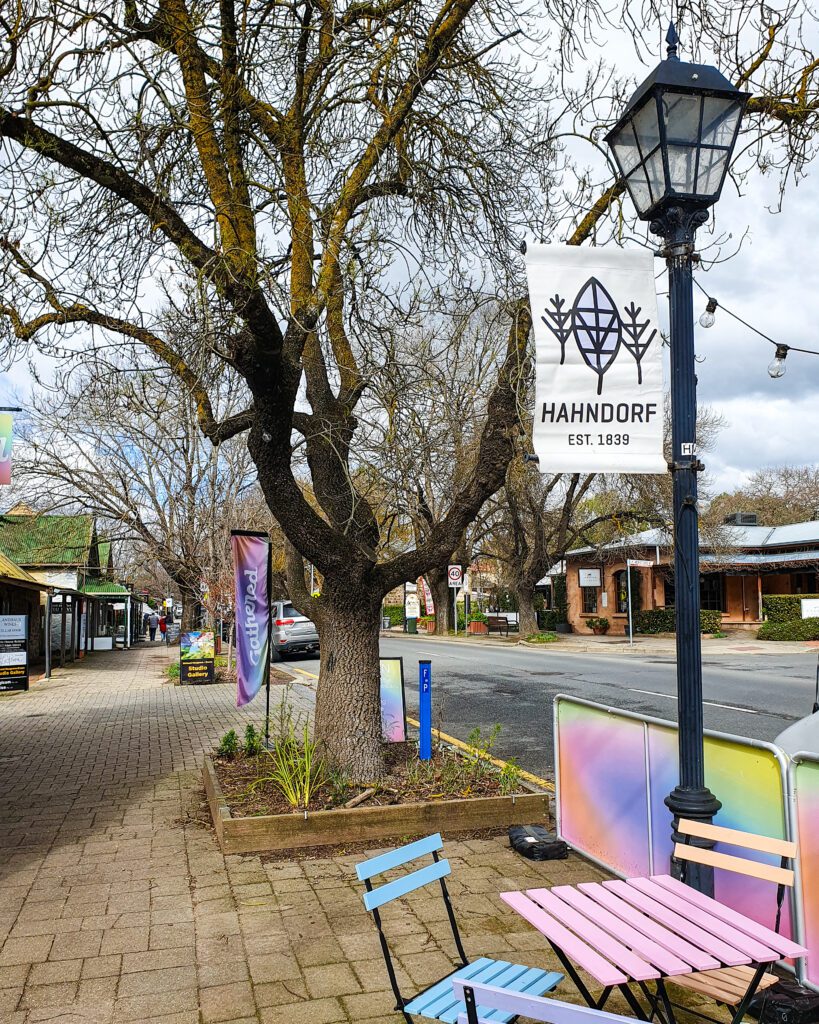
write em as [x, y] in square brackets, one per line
[484, 1004]
[439, 1001]
[498, 622]
[730, 985]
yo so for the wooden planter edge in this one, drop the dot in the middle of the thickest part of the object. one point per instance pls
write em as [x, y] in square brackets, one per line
[326, 828]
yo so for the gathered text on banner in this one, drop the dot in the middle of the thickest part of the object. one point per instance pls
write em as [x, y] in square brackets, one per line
[599, 378]
[251, 559]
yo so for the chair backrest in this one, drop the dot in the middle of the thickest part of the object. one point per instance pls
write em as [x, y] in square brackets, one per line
[550, 1011]
[368, 869]
[781, 848]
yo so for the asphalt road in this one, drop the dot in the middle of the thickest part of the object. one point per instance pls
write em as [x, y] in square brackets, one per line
[756, 696]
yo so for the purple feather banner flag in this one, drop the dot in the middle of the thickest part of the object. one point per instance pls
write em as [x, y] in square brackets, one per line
[251, 578]
[599, 380]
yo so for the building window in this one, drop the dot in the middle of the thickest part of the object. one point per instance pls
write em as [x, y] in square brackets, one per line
[621, 591]
[711, 593]
[589, 600]
[669, 594]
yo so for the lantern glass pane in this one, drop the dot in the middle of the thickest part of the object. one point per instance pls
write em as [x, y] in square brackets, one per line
[713, 165]
[720, 119]
[638, 189]
[682, 162]
[647, 127]
[625, 149]
[655, 172]
[681, 115]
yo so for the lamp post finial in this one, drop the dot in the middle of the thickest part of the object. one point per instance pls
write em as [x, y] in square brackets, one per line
[673, 40]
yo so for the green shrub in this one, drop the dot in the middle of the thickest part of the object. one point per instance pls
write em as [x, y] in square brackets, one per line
[297, 771]
[228, 745]
[664, 620]
[477, 617]
[598, 622]
[560, 599]
[510, 777]
[784, 607]
[542, 638]
[172, 670]
[393, 612]
[253, 740]
[424, 619]
[548, 620]
[796, 629]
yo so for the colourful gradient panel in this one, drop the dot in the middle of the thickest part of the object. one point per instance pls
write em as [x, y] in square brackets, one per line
[603, 786]
[393, 713]
[606, 798]
[806, 782]
[5, 447]
[748, 782]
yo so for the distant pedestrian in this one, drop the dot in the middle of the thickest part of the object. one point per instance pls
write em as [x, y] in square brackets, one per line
[153, 622]
[163, 625]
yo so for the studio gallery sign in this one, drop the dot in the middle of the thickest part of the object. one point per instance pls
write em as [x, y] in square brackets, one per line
[599, 381]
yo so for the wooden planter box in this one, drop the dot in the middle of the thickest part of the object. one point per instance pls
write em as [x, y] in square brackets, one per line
[325, 828]
[477, 627]
[429, 626]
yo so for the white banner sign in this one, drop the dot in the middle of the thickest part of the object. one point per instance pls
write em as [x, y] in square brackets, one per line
[599, 391]
[588, 577]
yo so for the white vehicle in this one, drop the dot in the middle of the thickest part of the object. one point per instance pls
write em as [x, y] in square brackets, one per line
[292, 633]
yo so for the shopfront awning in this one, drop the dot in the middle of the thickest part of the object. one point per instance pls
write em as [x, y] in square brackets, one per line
[104, 589]
[758, 560]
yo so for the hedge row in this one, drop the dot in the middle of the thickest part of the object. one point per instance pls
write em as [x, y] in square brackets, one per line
[784, 607]
[664, 620]
[395, 613]
[796, 629]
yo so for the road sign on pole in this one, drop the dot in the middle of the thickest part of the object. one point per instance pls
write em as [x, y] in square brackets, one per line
[639, 563]
[455, 574]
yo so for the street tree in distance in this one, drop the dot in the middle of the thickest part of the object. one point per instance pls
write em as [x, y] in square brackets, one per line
[123, 444]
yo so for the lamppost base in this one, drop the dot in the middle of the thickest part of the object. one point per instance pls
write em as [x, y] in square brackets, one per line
[693, 805]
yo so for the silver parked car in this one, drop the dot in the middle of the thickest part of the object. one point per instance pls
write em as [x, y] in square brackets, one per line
[293, 633]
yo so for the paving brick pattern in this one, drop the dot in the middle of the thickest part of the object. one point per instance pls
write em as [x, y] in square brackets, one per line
[116, 904]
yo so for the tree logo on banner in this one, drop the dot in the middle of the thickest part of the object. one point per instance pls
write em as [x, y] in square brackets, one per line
[598, 328]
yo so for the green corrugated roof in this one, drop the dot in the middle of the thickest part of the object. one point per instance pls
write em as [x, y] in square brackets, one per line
[104, 549]
[93, 586]
[46, 540]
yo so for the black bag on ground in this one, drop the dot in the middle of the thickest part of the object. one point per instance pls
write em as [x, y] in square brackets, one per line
[536, 843]
[787, 1002]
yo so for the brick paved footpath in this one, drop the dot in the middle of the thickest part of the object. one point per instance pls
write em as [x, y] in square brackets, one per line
[117, 905]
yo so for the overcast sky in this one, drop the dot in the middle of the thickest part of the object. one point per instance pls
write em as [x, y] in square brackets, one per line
[772, 283]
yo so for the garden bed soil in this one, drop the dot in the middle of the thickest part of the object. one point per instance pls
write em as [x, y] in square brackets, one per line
[448, 776]
[452, 793]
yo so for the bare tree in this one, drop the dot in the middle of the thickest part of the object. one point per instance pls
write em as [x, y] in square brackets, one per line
[285, 160]
[124, 445]
[778, 494]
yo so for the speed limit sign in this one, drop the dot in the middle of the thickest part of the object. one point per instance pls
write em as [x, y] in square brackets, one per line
[456, 575]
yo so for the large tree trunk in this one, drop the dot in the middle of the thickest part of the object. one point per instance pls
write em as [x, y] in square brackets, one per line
[348, 702]
[525, 593]
[442, 596]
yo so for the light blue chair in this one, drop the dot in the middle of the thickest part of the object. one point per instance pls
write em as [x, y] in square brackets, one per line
[439, 1001]
[484, 1002]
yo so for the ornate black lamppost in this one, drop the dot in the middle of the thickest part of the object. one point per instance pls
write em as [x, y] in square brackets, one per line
[673, 146]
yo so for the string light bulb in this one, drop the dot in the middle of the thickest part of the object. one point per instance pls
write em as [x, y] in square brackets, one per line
[707, 318]
[777, 367]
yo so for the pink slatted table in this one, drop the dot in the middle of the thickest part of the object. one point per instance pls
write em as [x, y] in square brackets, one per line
[646, 930]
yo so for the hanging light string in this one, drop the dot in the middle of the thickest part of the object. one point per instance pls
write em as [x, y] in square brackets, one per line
[713, 305]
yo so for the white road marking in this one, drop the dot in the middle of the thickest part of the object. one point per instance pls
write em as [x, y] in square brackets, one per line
[710, 703]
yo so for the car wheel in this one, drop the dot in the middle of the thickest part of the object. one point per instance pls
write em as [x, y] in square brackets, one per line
[274, 654]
